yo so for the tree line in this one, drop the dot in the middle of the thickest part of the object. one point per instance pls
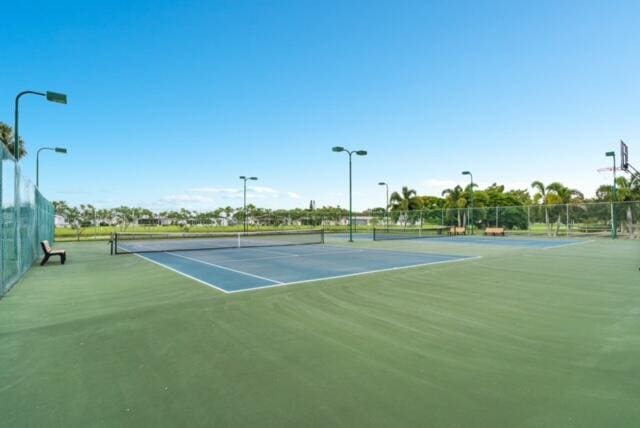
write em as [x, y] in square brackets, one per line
[404, 207]
[459, 199]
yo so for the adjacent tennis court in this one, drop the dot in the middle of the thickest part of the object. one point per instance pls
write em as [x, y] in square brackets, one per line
[439, 234]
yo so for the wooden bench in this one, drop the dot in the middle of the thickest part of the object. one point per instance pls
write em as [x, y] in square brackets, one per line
[494, 231]
[48, 252]
[455, 230]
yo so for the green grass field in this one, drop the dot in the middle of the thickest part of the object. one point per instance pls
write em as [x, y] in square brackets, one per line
[518, 338]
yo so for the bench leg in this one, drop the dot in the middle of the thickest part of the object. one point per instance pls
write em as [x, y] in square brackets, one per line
[45, 259]
[63, 258]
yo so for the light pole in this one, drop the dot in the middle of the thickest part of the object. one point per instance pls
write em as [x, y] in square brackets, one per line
[386, 207]
[614, 190]
[245, 178]
[338, 149]
[55, 149]
[51, 96]
[472, 199]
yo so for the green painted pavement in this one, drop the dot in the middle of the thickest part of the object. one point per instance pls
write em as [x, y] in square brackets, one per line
[518, 338]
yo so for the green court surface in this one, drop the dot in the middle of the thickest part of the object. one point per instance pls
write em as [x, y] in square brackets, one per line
[521, 337]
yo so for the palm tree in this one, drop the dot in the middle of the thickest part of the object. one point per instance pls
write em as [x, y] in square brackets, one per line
[6, 138]
[61, 207]
[558, 193]
[541, 197]
[104, 215]
[406, 200]
[627, 191]
[123, 216]
[455, 198]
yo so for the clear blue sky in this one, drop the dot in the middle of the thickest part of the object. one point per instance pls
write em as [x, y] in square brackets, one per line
[170, 101]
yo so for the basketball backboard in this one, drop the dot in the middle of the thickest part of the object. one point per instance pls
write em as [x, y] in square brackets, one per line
[624, 156]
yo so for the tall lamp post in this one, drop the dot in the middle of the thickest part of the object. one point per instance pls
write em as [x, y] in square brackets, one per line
[386, 207]
[51, 96]
[55, 149]
[472, 199]
[338, 149]
[614, 227]
[245, 179]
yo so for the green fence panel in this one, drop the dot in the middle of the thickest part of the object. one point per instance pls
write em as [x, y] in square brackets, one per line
[27, 218]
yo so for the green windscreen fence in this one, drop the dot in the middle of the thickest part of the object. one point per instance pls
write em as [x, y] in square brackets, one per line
[27, 218]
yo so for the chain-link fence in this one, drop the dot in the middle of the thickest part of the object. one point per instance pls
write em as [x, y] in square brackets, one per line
[27, 218]
[595, 219]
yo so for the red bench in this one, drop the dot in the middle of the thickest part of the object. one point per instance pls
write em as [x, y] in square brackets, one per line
[494, 231]
[457, 230]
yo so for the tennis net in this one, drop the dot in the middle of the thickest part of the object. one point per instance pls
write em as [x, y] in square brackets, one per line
[383, 234]
[127, 243]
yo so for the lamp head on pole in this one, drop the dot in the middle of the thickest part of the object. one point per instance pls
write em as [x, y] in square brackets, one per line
[242, 177]
[382, 183]
[253, 178]
[610, 154]
[56, 97]
[466, 173]
[60, 150]
[361, 152]
[338, 149]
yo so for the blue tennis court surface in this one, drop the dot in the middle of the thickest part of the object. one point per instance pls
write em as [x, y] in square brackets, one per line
[500, 241]
[243, 269]
[540, 243]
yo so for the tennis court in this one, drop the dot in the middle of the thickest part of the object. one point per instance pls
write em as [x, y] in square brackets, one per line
[508, 241]
[429, 235]
[244, 269]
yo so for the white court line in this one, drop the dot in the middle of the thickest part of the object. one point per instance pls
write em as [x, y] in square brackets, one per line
[181, 273]
[226, 268]
[355, 274]
[324, 253]
[567, 245]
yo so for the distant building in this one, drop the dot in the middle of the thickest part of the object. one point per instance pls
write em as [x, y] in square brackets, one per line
[60, 221]
[360, 220]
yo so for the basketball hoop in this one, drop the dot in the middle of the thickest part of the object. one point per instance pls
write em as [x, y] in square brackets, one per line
[607, 170]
